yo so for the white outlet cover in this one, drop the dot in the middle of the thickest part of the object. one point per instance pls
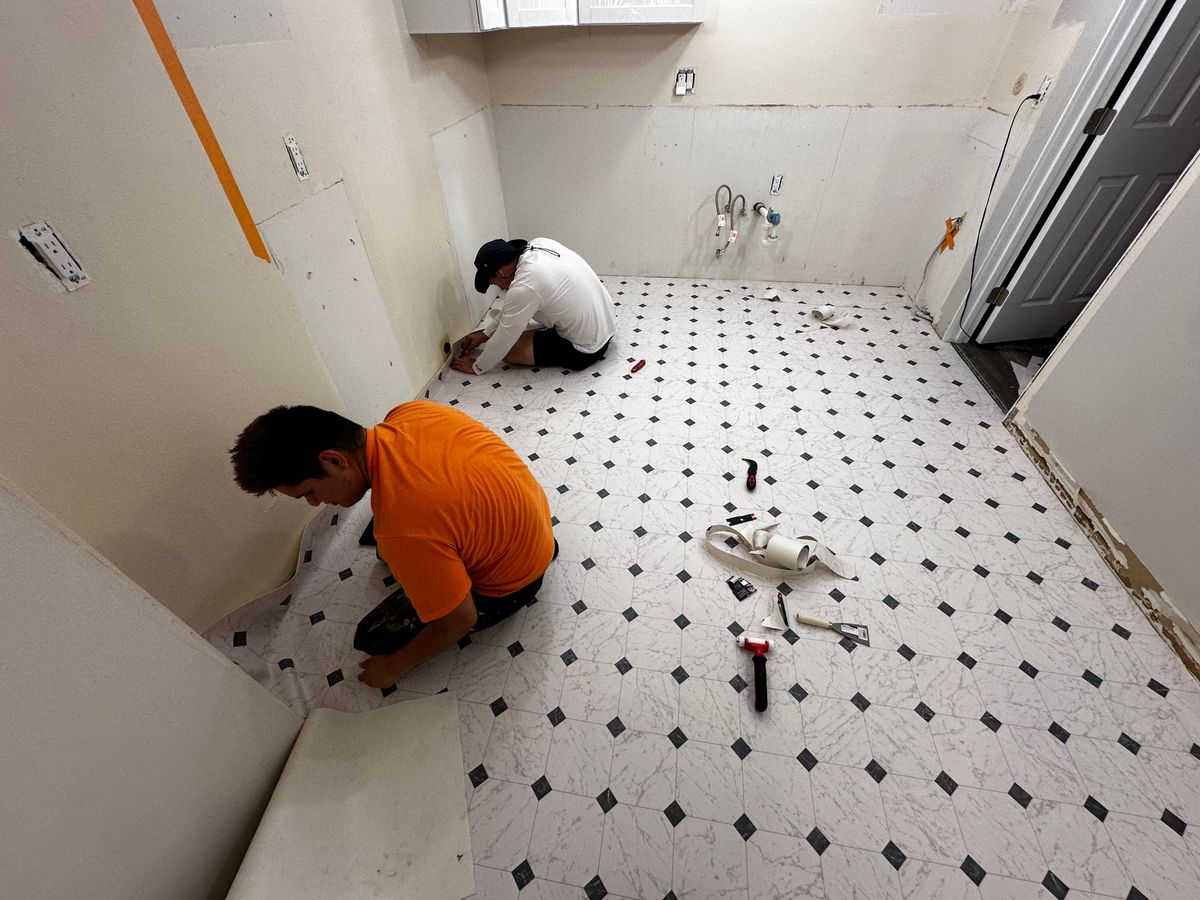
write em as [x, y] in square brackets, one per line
[296, 156]
[51, 250]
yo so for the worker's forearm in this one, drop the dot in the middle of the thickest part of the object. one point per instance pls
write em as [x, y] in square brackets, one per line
[430, 641]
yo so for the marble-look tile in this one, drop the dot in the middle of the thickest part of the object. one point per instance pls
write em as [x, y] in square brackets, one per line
[778, 793]
[591, 691]
[518, 746]
[659, 596]
[708, 652]
[1078, 848]
[921, 819]
[783, 867]
[1115, 777]
[609, 586]
[600, 635]
[474, 728]
[494, 884]
[637, 855]
[970, 753]
[1011, 696]
[535, 682]
[947, 686]
[998, 835]
[1175, 776]
[501, 820]
[835, 731]
[548, 628]
[565, 843]
[708, 710]
[928, 630]
[1144, 715]
[824, 667]
[580, 758]
[480, 672]
[853, 874]
[708, 601]
[1041, 764]
[1046, 647]
[986, 639]
[924, 880]
[709, 782]
[649, 701]
[643, 769]
[901, 742]
[778, 729]
[1001, 887]
[431, 676]
[1077, 706]
[884, 676]
[1155, 857]
[1108, 655]
[709, 862]
[653, 643]
[1157, 656]
[848, 807]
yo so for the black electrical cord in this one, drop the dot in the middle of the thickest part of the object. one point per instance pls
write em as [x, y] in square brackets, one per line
[971, 281]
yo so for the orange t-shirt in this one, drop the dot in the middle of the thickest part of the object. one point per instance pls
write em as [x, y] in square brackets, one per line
[456, 509]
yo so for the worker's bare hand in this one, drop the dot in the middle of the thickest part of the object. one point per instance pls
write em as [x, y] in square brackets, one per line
[464, 364]
[473, 341]
[379, 672]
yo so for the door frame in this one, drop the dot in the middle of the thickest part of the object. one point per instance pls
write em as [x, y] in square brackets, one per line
[1114, 56]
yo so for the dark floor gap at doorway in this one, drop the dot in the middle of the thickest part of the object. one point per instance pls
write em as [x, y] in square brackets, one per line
[992, 365]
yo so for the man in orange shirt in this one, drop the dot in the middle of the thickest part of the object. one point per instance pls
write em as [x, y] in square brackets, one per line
[459, 518]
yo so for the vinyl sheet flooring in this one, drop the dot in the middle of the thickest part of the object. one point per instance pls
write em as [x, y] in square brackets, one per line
[1015, 730]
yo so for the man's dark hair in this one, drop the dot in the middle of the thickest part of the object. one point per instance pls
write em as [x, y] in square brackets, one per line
[281, 447]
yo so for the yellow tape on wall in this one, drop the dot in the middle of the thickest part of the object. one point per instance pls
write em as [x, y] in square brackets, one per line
[191, 105]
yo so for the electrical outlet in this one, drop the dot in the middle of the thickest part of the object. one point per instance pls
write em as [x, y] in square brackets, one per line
[776, 184]
[47, 246]
[296, 156]
[685, 82]
[1043, 90]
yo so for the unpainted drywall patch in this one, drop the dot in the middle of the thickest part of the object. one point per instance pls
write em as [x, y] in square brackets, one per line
[214, 23]
[1145, 589]
[318, 247]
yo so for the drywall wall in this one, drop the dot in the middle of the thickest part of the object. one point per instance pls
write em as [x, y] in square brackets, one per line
[121, 399]
[1052, 38]
[872, 112]
[318, 247]
[1116, 402]
[469, 171]
[136, 758]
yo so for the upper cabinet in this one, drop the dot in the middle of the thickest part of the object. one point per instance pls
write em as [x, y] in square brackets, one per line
[535, 13]
[634, 12]
[442, 16]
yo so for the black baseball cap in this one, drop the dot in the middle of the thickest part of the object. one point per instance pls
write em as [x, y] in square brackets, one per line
[492, 256]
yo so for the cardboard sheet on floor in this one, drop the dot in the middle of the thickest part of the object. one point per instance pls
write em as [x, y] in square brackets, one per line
[369, 805]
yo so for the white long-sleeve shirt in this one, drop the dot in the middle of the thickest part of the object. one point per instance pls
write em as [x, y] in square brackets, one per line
[558, 290]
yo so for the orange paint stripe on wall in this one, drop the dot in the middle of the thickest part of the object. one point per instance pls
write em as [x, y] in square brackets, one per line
[191, 105]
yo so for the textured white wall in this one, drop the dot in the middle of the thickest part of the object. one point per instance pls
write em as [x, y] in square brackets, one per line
[1116, 402]
[136, 758]
[120, 400]
[876, 114]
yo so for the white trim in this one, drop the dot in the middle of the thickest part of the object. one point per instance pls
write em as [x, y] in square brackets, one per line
[1110, 61]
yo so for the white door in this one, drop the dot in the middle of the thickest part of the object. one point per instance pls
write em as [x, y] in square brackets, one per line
[614, 12]
[1124, 175]
[491, 15]
[527, 13]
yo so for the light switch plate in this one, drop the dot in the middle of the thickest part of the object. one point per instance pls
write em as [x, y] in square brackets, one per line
[296, 156]
[50, 249]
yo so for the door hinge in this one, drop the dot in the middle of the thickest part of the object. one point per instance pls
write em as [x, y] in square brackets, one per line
[1099, 120]
[997, 296]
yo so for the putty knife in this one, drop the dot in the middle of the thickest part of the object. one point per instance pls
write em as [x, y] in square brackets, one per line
[858, 633]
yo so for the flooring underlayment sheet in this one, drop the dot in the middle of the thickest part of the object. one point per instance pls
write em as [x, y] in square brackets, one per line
[1016, 729]
[369, 805]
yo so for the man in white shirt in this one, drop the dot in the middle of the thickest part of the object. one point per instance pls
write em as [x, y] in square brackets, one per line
[547, 285]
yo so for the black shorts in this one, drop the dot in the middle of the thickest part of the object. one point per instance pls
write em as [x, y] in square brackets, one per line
[393, 623]
[551, 350]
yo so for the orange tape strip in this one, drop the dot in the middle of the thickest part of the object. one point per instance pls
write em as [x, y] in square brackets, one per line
[191, 105]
